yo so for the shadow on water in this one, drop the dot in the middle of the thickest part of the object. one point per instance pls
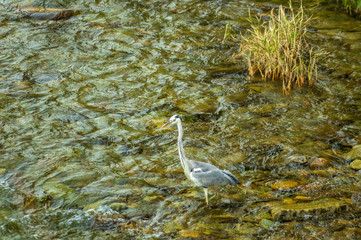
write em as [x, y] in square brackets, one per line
[82, 100]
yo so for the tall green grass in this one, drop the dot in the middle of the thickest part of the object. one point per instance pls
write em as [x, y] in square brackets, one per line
[277, 48]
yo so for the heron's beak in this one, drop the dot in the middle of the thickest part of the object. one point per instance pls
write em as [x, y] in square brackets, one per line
[165, 125]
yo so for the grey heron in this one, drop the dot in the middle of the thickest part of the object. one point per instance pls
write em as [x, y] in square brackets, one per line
[202, 174]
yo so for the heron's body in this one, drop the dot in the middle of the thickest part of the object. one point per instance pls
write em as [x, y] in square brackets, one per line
[202, 174]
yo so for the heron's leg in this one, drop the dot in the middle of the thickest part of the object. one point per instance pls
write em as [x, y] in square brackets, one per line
[206, 193]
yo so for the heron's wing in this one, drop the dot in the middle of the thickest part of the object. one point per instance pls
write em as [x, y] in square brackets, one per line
[212, 178]
[202, 165]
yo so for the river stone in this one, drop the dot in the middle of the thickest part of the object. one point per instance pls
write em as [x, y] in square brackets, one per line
[201, 105]
[234, 157]
[40, 13]
[95, 205]
[302, 198]
[322, 172]
[62, 194]
[355, 153]
[320, 163]
[298, 159]
[246, 229]
[356, 199]
[338, 225]
[153, 198]
[289, 201]
[117, 206]
[284, 185]
[356, 165]
[225, 218]
[172, 226]
[322, 209]
[267, 224]
[186, 233]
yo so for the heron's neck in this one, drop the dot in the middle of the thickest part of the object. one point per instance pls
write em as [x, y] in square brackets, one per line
[182, 156]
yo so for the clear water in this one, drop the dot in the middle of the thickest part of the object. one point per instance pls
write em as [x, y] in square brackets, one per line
[82, 101]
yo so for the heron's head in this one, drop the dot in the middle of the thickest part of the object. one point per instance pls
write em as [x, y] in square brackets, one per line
[173, 119]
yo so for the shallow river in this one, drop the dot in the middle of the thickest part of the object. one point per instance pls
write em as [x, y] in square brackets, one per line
[82, 101]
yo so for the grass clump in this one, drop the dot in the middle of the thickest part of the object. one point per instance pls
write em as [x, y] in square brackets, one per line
[277, 48]
[353, 7]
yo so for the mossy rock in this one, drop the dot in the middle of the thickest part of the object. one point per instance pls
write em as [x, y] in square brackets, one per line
[284, 185]
[57, 190]
[40, 13]
[267, 224]
[355, 153]
[207, 105]
[225, 218]
[170, 227]
[320, 209]
[234, 157]
[186, 233]
[246, 229]
[95, 205]
[356, 165]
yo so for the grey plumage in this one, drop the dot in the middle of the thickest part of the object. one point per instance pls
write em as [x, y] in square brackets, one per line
[202, 174]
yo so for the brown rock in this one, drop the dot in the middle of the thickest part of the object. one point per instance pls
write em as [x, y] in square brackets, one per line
[320, 163]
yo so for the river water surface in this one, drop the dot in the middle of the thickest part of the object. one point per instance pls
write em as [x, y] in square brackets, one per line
[82, 100]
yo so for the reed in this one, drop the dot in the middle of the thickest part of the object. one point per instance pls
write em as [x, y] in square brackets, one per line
[277, 48]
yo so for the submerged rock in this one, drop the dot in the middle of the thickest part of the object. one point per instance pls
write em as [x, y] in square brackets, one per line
[356, 199]
[284, 185]
[321, 172]
[225, 218]
[41, 13]
[117, 206]
[186, 233]
[355, 153]
[320, 209]
[302, 198]
[267, 224]
[320, 163]
[356, 165]
[298, 159]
